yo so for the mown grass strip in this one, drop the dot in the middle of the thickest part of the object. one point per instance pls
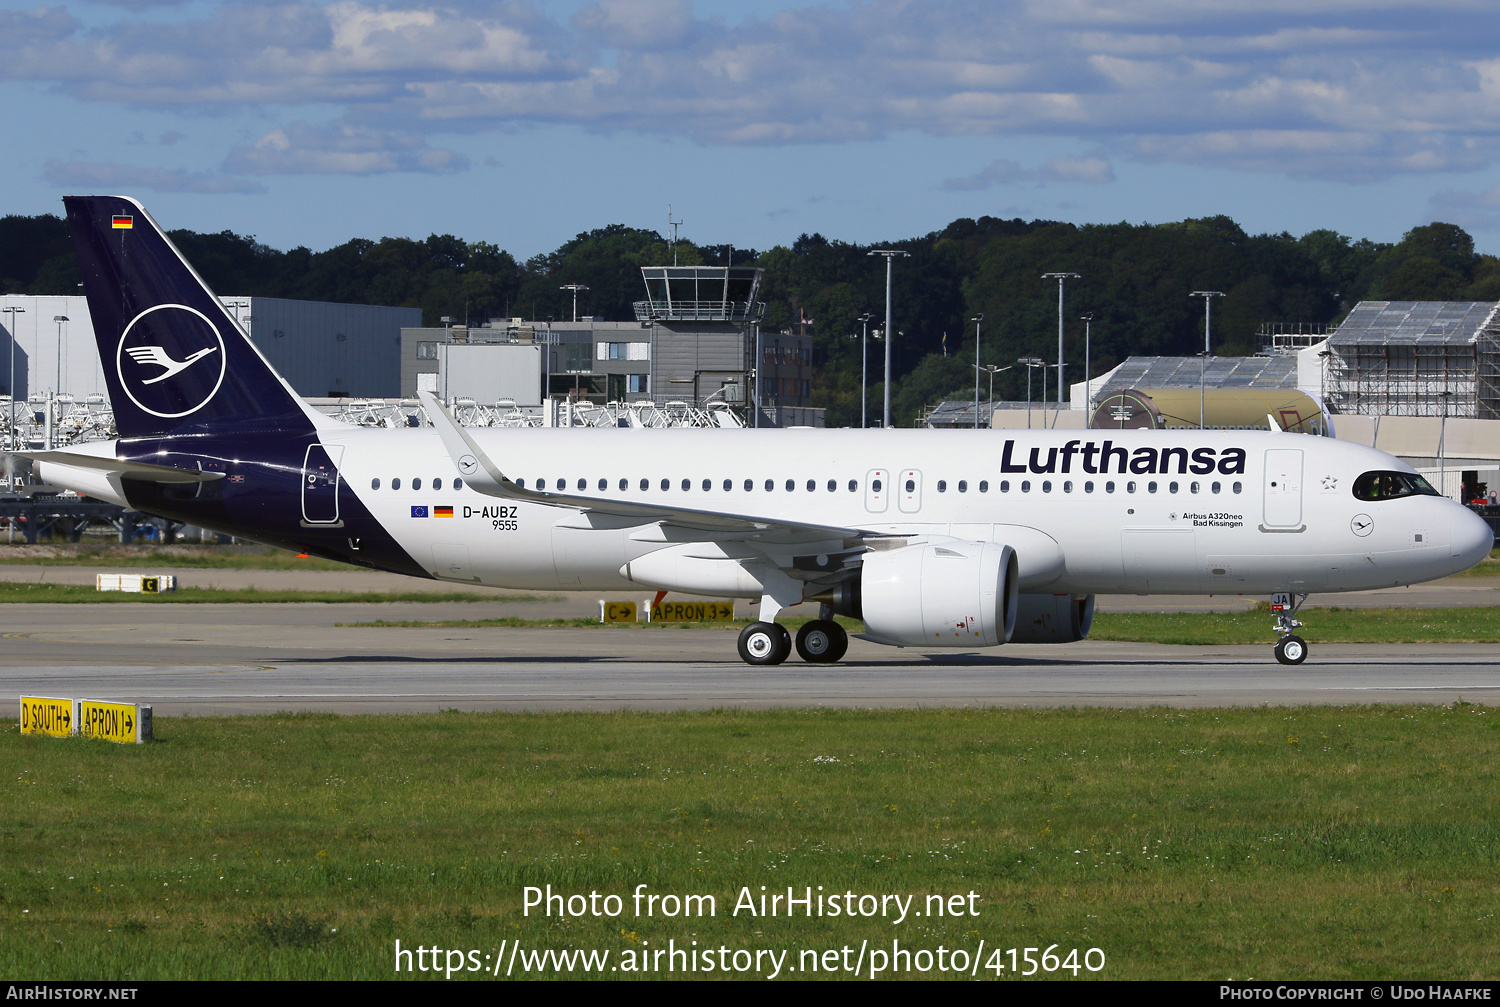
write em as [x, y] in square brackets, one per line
[1326, 842]
[852, 625]
[1324, 625]
[1489, 567]
[223, 557]
[73, 594]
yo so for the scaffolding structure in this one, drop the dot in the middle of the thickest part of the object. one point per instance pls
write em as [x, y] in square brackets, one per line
[45, 422]
[1286, 338]
[1417, 358]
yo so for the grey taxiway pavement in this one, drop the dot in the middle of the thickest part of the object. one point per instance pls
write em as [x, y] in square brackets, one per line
[256, 658]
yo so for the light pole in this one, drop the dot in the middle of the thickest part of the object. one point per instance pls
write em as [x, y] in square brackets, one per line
[1323, 356]
[1031, 364]
[236, 306]
[576, 287]
[864, 367]
[10, 425]
[991, 370]
[61, 320]
[1088, 388]
[1208, 303]
[1442, 435]
[889, 254]
[977, 368]
[1061, 279]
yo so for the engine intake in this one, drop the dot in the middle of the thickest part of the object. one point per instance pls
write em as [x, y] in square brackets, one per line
[941, 594]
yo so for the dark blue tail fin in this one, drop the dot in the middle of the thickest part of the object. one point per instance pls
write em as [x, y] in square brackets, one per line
[175, 361]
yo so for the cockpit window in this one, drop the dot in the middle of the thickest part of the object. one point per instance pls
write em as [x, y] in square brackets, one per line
[1390, 485]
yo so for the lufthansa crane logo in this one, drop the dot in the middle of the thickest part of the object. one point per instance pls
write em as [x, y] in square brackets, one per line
[171, 360]
[159, 356]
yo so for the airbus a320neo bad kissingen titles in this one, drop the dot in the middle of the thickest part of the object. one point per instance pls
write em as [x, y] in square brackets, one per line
[960, 539]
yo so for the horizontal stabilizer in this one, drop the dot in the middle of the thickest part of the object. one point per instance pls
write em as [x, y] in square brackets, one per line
[122, 469]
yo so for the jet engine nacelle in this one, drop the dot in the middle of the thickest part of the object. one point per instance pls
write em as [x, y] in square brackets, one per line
[1053, 618]
[940, 594]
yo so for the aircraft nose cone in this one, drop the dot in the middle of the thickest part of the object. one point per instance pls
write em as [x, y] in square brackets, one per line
[1471, 537]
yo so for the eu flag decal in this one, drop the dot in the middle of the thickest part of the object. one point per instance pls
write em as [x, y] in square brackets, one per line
[419, 511]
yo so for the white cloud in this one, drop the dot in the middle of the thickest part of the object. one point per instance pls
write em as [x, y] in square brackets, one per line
[113, 177]
[1094, 170]
[1089, 169]
[1474, 211]
[999, 172]
[340, 149]
[640, 25]
[40, 25]
[1328, 88]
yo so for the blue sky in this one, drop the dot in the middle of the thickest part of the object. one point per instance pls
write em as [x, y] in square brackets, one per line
[307, 122]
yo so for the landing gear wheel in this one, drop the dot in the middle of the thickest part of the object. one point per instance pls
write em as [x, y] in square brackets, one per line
[822, 641]
[764, 643]
[1291, 650]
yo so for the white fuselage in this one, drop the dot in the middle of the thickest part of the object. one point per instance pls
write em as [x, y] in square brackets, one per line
[1286, 521]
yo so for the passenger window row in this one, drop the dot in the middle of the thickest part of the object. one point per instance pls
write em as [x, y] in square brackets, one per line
[582, 485]
[1131, 486]
[665, 485]
[416, 484]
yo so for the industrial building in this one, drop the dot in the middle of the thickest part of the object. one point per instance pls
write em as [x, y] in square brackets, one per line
[1417, 379]
[322, 349]
[47, 347]
[328, 349]
[1416, 358]
[693, 342]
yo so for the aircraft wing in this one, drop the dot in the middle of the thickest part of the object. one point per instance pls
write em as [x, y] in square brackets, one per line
[679, 523]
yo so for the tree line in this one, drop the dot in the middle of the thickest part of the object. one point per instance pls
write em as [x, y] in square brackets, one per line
[1135, 280]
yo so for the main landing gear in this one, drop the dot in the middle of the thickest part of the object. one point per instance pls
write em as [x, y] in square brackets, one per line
[1291, 648]
[821, 641]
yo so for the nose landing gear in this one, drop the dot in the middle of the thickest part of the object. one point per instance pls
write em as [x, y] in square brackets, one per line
[1291, 648]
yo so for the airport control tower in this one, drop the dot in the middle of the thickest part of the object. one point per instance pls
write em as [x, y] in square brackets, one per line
[704, 321]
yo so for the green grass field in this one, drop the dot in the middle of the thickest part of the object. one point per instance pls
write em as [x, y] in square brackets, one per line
[1326, 625]
[1489, 567]
[1355, 842]
[224, 557]
[66, 594]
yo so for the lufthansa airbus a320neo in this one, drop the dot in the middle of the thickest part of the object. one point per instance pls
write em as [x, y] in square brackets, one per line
[935, 539]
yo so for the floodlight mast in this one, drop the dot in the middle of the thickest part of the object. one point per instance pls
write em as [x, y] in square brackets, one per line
[1088, 388]
[1032, 363]
[977, 368]
[1208, 302]
[1061, 279]
[864, 366]
[992, 370]
[61, 321]
[890, 254]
